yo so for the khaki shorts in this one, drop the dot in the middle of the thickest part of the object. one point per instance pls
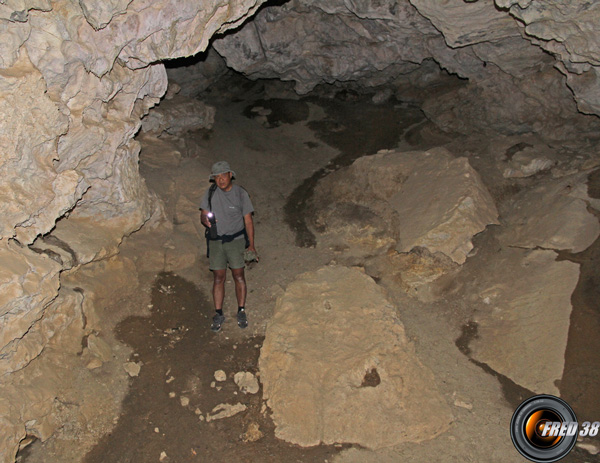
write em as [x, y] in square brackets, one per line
[223, 254]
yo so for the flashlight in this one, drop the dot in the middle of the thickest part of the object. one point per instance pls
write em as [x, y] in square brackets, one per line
[213, 226]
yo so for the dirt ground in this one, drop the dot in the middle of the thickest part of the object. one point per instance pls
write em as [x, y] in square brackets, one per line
[279, 154]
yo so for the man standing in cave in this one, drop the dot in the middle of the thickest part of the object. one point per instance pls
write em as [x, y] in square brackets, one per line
[227, 215]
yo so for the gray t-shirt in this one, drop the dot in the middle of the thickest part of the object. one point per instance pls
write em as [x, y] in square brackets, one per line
[229, 208]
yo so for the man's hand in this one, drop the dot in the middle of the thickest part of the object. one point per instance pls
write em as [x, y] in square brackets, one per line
[250, 255]
[204, 218]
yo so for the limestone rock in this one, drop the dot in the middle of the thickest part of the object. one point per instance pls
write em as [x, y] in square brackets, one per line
[28, 284]
[70, 111]
[529, 303]
[31, 198]
[253, 433]
[94, 363]
[427, 199]
[577, 48]
[465, 24]
[178, 115]
[553, 215]
[526, 165]
[132, 368]
[220, 375]
[344, 40]
[441, 205]
[158, 153]
[246, 381]
[100, 13]
[224, 411]
[330, 377]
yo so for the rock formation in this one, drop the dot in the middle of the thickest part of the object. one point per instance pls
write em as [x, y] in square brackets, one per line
[336, 367]
[419, 199]
[76, 79]
[385, 43]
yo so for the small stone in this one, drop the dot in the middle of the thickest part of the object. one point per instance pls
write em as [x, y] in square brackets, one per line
[253, 433]
[94, 363]
[163, 456]
[132, 368]
[220, 375]
[170, 380]
[184, 401]
[225, 411]
[460, 403]
[198, 411]
[213, 384]
[156, 430]
[172, 395]
[246, 381]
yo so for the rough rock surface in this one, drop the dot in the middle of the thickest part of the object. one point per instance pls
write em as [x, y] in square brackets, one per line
[441, 205]
[75, 80]
[568, 31]
[374, 43]
[432, 199]
[178, 115]
[552, 216]
[527, 295]
[336, 367]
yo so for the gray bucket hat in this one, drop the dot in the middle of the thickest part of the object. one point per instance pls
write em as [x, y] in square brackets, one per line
[220, 167]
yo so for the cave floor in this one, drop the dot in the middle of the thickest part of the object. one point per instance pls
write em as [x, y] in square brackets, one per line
[163, 416]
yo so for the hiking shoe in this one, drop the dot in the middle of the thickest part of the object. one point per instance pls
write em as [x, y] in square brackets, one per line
[217, 322]
[242, 319]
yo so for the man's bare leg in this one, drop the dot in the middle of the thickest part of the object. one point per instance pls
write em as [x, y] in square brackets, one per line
[219, 288]
[240, 285]
[218, 296]
[240, 292]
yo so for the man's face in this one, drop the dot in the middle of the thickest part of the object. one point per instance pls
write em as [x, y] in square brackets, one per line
[223, 181]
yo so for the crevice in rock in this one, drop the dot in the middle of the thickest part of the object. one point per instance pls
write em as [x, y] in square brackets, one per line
[371, 378]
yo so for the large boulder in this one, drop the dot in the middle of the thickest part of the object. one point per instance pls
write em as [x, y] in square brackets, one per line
[420, 199]
[442, 205]
[336, 367]
[553, 215]
[523, 323]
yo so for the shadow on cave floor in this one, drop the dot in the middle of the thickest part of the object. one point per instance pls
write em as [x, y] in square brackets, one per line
[356, 129]
[166, 407]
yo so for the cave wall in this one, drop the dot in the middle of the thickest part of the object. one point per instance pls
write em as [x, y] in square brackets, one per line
[76, 77]
[513, 82]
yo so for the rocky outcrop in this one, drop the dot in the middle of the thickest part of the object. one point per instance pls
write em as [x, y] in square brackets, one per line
[526, 304]
[419, 199]
[336, 367]
[568, 31]
[178, 115]
[553, 215]
[75, 80]
[376, 43]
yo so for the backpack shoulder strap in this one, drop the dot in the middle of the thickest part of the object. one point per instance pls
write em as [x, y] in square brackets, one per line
[211, 192]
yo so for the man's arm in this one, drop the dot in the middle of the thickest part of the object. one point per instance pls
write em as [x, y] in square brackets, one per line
[249, 223]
